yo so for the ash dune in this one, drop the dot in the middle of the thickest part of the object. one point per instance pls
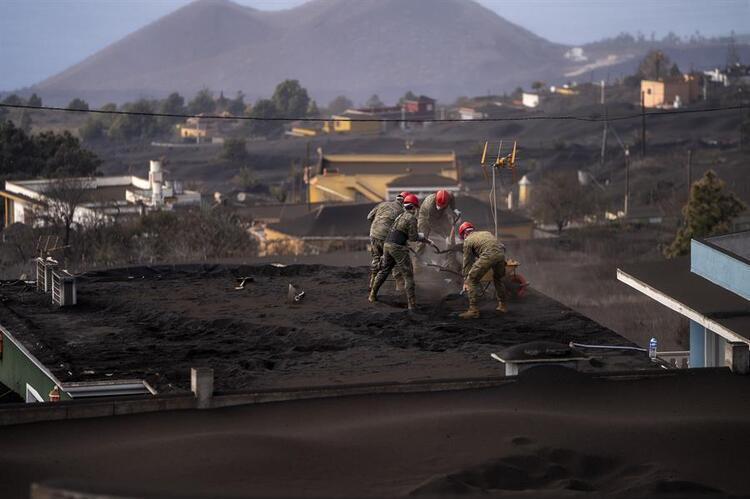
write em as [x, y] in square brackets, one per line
[445, 49]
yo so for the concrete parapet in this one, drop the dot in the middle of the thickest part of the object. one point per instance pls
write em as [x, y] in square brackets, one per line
[202, 385]
[737, 357]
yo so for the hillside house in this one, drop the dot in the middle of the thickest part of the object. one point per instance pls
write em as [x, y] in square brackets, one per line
[26, 201]
[421, 108]
[470, 113]
[711, 288]
[672, 92]
[366, 177]
[354, 121]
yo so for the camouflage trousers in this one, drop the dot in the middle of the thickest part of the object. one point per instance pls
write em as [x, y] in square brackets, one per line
[494, 261]
[376, 252]
[396, 258]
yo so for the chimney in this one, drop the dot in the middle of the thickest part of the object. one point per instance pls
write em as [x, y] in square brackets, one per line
[155, 179]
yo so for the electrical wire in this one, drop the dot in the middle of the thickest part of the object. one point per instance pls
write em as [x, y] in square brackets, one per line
[590, 119]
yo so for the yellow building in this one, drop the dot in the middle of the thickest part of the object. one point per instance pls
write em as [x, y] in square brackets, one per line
[673, 92]
[352, 122]
[366, 177]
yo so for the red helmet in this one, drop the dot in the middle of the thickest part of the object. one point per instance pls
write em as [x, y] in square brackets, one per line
[465, 229]
[411, 200]
[402, 195]
[442, 198]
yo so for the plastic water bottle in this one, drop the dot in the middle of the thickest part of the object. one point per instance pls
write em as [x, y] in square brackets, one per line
[652, 348]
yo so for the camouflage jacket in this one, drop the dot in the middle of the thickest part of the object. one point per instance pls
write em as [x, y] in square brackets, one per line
[381, 218]
[481, 244]
[406, 223]
[430, 217]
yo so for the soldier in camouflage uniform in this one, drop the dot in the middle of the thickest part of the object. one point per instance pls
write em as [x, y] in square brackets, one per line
[437, 214]
[396, 252]
[482, 252]
[381, 219]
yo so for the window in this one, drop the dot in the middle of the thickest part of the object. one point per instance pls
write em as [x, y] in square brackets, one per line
[648, 91]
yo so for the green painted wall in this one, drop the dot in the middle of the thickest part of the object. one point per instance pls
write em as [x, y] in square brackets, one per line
[17, 369]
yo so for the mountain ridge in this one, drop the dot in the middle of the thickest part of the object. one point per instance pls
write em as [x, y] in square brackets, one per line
[445, 49]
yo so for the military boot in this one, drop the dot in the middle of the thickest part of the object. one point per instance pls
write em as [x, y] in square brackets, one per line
[501, 307]
[472, 313]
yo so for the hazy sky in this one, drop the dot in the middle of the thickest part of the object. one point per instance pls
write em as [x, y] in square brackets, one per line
[39, 38]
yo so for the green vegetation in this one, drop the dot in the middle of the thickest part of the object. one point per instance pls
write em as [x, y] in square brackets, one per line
[202, 103]
[709, 211]
[374, 102]
[291, 99]
[234, 150]
[339, 105]
[46, 154]
[655, 66]
[78, 104]
[161, 236]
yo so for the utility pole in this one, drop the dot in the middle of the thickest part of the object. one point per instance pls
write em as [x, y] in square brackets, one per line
[627, 179]
[307, 170]
[690, 170]
[604, 132]
[643, 124]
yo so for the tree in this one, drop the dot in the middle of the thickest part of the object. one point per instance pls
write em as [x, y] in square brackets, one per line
[173, 104]
[339, 105]
[654, 66]
[236, 106]
[26, 122]
[291, 99]
[709, 211]
[35, 101]
[538, 85]
[234, 150]
[264, 108]
[13, 100]
[674, 71]
[47, 154]
[65, 196]
[78, 104]
[134, 126]
[245, 179]
[312, 110]
[374, 102]
[222, 103]
[203, 102]
[560, 199]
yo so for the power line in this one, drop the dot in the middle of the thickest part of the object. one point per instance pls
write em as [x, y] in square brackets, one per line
[590, 119]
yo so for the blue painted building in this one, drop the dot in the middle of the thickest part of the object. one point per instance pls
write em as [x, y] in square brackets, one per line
[711, 288]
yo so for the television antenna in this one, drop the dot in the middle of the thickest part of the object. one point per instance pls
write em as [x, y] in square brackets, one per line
[507, 162]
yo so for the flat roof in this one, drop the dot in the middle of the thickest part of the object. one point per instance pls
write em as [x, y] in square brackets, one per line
[673, 284]
[737, 243]
[155, 323]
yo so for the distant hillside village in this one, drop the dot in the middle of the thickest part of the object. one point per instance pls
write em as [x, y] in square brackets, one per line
[320, 205]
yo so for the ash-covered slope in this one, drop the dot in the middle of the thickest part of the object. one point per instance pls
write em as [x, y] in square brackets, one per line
[445, 48]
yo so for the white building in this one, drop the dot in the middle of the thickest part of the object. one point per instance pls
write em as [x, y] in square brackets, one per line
[103, 197]
[470, 113]
[530, 100]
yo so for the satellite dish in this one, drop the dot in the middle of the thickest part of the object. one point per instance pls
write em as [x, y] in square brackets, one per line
[241, 197]
[217, 196]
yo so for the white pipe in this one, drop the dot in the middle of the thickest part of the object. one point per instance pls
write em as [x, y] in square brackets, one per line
[609, 347]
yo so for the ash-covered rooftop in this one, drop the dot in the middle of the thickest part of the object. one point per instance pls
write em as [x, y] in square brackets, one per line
[155, 323]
